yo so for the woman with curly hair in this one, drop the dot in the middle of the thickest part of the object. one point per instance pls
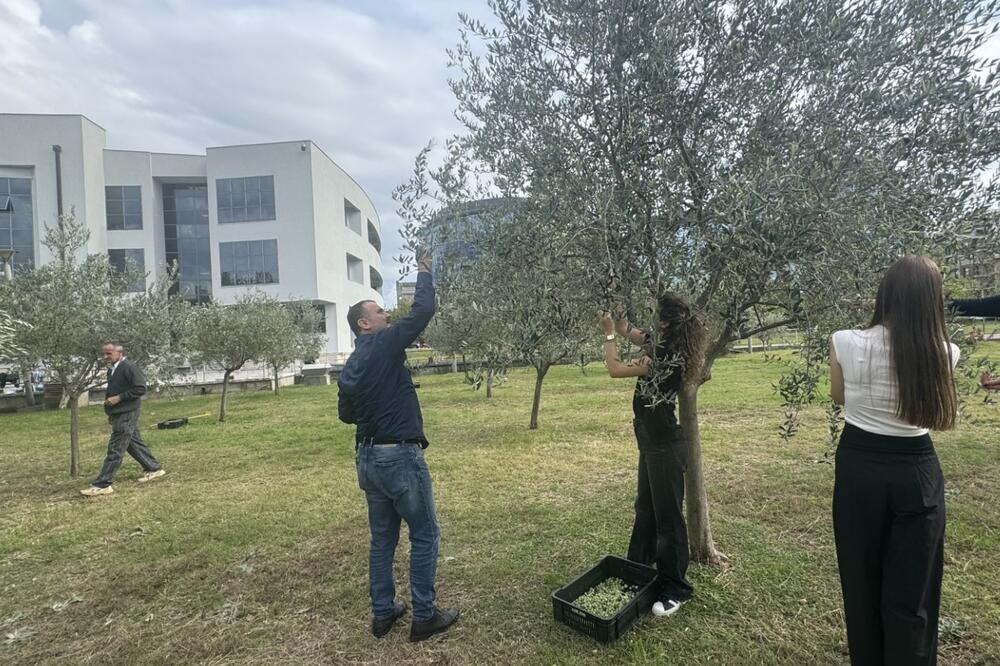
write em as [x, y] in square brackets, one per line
[674, 354]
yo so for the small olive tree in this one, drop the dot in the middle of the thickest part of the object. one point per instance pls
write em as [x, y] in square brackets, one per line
[292, 333]
[466, 326]
[76, 303]
[506, 284]
[255, 327]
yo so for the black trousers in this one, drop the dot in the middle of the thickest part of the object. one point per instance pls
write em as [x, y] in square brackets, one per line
[659, 534]
[888, 521]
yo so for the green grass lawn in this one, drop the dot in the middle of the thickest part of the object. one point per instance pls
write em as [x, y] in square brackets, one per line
[253, 549]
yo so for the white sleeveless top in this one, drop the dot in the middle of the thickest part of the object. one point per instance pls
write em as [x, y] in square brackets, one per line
[870, 395]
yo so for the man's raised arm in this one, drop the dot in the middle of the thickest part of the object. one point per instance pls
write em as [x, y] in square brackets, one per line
[402, 333]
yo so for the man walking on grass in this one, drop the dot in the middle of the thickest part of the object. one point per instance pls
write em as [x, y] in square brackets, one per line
[377, 394]
[126, 385]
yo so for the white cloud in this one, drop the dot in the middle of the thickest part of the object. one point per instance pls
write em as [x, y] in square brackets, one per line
[86, 34]
[366, 81]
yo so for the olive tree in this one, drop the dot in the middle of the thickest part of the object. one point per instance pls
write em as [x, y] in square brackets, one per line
[291, 332]
[463, 327]
[8, 333]
[505, 279]
[765, 159]
[228, 337]
[545, 317]
[77, 302]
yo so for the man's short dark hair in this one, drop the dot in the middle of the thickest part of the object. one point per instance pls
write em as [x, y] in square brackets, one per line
[112, 343]
[356, 312]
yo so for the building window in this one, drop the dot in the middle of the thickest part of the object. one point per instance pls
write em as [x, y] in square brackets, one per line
[352, 217]
[119, 261]
[17, 227]
[355, 269]
[245, 199]
[248, 262]
[373, 238]
[185, 232]
[376, 279]
[124, 207]
[321, 310]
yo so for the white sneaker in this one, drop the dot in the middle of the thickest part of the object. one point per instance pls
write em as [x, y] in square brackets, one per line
[149, 476]
[665, 608]
[94, 491]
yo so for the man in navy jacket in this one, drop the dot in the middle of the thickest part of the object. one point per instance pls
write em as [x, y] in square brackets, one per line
[378, 396]
[126, 386]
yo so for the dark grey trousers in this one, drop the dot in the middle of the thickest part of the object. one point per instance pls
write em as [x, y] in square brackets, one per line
[125, 438]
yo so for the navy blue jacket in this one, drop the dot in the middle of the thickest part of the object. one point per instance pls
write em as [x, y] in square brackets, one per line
[977, 307]
[376, 390]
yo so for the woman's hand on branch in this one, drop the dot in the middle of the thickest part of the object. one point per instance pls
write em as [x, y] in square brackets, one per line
[620, 318]
[606, 323]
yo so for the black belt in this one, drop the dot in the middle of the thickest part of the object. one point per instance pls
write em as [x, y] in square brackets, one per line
[382, 441]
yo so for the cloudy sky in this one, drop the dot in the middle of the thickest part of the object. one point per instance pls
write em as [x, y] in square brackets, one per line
[365, 80]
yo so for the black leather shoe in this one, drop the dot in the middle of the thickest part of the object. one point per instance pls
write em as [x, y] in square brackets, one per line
[440, 621]
[381, 626]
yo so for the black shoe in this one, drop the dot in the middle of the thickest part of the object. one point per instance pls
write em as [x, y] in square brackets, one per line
[440, 621]
[381, 626]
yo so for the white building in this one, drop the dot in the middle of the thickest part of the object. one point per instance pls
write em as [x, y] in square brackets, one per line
[279, 217]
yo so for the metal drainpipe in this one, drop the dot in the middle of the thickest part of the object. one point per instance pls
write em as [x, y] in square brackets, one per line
[59, 203]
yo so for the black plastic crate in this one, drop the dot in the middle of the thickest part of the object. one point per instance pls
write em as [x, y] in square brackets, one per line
[606, 630]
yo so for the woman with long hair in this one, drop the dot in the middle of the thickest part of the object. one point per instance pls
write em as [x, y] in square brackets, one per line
[673, 357]
[895, 380]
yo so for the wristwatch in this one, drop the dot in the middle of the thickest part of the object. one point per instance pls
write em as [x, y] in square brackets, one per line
[609, 338]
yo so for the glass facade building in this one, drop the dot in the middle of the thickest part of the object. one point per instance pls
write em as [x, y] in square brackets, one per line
[185, 233]
[16, 226]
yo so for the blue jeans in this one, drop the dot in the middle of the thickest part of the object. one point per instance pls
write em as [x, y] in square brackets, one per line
[397, 485]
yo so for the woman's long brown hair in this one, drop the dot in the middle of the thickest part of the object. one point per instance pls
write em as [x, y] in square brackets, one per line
[910, 304]
[683, 333]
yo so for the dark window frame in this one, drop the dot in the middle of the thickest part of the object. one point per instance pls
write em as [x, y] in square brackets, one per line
[353, 219]
[351, 259]
[245, 199]
[249, 262]
[119, 264]
[183, 244]
[373, 238]
[375, 277]
[123, 207]
[17, 228]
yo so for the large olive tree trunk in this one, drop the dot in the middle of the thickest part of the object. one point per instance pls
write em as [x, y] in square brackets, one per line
[699, 526]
